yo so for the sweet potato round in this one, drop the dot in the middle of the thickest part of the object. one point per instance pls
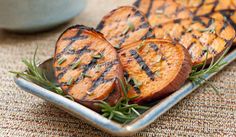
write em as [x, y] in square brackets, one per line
[199, 35]
[87, 66]
[125, 25]
[155, 68]
[162, 11]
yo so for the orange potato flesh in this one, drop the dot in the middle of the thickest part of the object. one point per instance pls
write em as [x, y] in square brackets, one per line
[199, 35]
[162, 11]
[125, 25]
[217, 9]
[202, 7]
[159, 65]
[94, 76]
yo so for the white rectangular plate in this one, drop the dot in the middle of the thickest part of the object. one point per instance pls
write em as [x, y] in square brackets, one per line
[103, 123]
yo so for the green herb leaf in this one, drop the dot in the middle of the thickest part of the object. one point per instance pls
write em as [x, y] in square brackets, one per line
[117, 46]
[122, 112]
[157, 73]
[141, 45]
[70, 81]
[159, 58]
[137, 84]
[61, 60]
[130, 27]
[98, 56]
[76, 64]
[84, 75]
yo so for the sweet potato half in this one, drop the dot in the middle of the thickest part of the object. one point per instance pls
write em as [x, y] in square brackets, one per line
[202, 7]
[217, 9]
[125, 25]
[155, 68]
[87, 66]
[203, 37]
[162, 11]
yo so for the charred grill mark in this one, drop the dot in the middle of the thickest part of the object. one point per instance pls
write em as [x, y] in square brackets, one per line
[195, 36]
[178, 10]
[149, 8]
[142, 19]
[227, 14]
[101, 79]
[191, 45]
[225, 25]
[79, 53]
[149, 34]
[154, 46]
[199, 6]
[142, 64]
[78, 34]
[137, 90]
[137, 13]
[198, 19]
[215, 3]
[106, 64]
[137, 3]
[144, 25]
[203, 53]
[123, 40]
[176, 21]
[76, 37]
[210, 22]
[100, 26]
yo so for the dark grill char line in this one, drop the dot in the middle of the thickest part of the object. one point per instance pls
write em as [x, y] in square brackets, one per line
[142, 64]
[198, 19]
[106, 64]
[149, 8]
[101, 79]
[136, 89]
[137, 3]
[79, 53]
[212, 50]
[199, 6]
[227, 14]
[214, 5]
[154, 46]
[73, 39]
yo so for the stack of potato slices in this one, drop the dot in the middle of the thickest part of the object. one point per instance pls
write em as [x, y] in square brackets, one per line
[151, 47]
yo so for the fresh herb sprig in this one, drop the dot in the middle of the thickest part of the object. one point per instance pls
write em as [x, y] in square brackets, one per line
[197, 75]
[37, 75]
[122, 112]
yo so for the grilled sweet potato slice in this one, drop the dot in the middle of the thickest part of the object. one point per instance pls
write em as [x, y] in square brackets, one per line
[125, 25]
[203, 7]
[161, 11]
[217, 9]
[155, 68]
[87, 66]
[199, 35]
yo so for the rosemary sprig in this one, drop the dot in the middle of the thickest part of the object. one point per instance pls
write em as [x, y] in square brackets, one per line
[197, 75]
[122, 112]
[37, 75]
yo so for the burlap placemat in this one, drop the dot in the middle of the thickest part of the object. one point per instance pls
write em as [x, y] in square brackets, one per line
[203, 113]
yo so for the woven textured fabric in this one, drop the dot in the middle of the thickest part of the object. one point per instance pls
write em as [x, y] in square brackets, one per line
[202, 113]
